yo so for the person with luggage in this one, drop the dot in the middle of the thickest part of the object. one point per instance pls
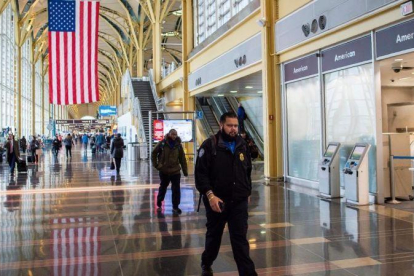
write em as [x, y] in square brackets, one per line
[85, 140]
[23, 144]
[56, 145]
[34, 147]
[168, 158]
[223, 177]
[117, 151]
[12, 152]
[68, 145]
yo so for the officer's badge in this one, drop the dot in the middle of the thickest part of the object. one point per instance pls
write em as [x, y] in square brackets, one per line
[201, 153]
[241, 157]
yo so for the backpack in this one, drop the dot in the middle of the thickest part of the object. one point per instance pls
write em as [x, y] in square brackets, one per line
[213, 140]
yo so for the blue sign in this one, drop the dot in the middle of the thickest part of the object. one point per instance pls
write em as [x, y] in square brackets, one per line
[199, 115]
[107, 110]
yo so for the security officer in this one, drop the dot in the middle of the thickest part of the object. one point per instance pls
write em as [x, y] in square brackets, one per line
[222, 176]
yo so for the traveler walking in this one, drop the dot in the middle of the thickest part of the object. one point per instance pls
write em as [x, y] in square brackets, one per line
[85, 140]
[117, 151]
[12, 152]
[167, 157]
[223, 177]
[23, 144]
[241, 115]
[56, 144]
[34, 147]
[68, 145]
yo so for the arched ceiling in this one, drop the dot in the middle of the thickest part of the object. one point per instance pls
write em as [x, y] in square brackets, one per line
[124, 27]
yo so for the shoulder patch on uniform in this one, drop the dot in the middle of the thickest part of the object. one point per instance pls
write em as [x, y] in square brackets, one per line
[201, 153]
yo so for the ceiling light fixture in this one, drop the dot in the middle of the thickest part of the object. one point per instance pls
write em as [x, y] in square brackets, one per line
[234, 91]
[220, 95]
[405, 78]
[249, 87]
[260, 92]
[399, 59]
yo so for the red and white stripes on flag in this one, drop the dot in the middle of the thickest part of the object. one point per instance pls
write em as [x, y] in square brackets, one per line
[73, 53]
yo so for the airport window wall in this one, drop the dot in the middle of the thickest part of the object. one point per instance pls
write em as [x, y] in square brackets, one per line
[7, 68]
[38, 98]
[27, 92]
[46, 109]
[209, 15]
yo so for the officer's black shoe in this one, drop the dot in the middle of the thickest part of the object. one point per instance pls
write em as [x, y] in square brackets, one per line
[177, 211]
[206, 271]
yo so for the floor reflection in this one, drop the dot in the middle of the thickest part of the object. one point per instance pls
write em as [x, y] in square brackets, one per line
[118, 231]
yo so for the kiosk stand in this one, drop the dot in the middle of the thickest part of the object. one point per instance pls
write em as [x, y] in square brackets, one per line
[356, 175]
[329, 185]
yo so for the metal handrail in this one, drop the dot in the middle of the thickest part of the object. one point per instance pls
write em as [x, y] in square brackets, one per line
[136, 105]
[159, 102]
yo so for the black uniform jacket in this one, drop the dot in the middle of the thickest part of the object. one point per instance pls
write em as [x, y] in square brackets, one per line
[228, 175]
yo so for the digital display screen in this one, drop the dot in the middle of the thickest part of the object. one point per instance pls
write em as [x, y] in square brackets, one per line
[184, 129]
[357, 153]
[330, 151]
[107, 110]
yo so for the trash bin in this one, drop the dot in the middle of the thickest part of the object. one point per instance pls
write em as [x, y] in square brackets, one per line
[133, 152]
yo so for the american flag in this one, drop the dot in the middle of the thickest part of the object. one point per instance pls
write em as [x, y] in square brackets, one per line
[73, 51]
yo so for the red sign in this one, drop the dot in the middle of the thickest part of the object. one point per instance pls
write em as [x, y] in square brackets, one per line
[158, 130]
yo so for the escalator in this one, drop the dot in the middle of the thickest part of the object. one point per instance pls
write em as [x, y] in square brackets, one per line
[209, 121]
[230, 104]
[213, 107]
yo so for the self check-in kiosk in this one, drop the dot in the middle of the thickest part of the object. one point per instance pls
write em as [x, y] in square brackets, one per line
[356, 175]
[329, 183]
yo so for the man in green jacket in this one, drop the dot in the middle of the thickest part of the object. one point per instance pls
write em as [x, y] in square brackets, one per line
[168, 158]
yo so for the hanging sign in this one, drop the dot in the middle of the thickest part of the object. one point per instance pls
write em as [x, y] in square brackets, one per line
[395, 39]
[301, 68]
[347, 54]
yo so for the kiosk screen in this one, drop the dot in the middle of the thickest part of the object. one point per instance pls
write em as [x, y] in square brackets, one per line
[330, 151]
[357, 153]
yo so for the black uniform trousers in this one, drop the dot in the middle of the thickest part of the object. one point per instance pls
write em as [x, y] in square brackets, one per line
[236, 215]
[175, 188]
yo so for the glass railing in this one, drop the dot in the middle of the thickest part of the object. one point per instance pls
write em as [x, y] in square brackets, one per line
[159, 102]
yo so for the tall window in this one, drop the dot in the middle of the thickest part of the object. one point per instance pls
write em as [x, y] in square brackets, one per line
[7, 67]
[209, 15]
[46, 105]
[26, 108]
[38, 99]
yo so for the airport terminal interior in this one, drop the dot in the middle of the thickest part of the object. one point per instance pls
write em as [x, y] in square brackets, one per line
[323, 92]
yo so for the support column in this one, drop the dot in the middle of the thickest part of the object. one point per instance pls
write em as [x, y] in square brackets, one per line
[156, 42]
[18, 105]
[272, 122]
[140, 50]
[187, 47]
[43, 101]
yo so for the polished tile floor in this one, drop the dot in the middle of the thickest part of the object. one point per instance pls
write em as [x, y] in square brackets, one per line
[75, 217]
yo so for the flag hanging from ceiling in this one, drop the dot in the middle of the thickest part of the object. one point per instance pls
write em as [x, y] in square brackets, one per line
[73, 51]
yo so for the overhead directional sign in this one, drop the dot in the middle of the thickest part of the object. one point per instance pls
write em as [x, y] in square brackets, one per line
[83, 122]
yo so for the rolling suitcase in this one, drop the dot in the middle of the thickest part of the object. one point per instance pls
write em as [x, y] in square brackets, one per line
[30, 159]
[21, 166]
